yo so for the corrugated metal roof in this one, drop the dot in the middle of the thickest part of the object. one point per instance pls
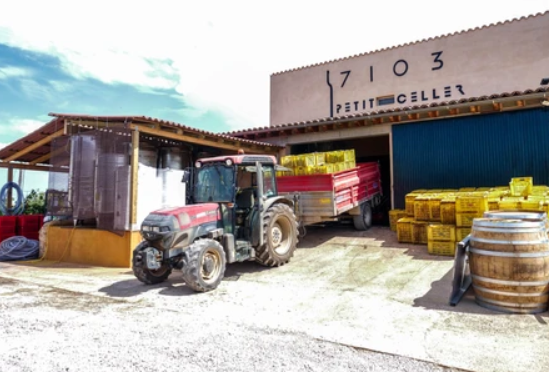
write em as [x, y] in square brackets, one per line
[57, 124]
[30, 139]
[364, 115]
[416, 42]
[148, 119]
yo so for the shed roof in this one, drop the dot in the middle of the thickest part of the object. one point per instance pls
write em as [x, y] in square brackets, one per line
[34, 148]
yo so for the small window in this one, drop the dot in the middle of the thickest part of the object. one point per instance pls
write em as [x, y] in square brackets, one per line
[385, 100]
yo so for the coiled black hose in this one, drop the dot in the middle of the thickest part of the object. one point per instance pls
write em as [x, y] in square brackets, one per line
[18, 208]
[18, 248]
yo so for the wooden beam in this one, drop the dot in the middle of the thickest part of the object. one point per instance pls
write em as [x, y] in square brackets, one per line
[228, 145]
[47, 156]
[27, 166]
[34, 146]
[134, 178]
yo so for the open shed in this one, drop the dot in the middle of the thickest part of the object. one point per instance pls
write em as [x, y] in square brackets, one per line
[106, 173]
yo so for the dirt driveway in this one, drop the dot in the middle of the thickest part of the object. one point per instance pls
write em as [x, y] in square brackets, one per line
[343, 288]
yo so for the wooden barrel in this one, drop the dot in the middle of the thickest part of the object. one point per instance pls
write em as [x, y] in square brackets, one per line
[518, 215]
[509, 263]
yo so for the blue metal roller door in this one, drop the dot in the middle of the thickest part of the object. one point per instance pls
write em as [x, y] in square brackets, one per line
[474, 151]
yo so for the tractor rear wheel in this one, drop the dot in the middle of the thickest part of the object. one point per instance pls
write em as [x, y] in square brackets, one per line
[142, 272]
[205, 265]
[280, 236]
[364, 221]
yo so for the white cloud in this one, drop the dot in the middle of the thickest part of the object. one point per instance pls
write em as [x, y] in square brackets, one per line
[21, 125]
[219, 54]
[2, 145]
[13, 72]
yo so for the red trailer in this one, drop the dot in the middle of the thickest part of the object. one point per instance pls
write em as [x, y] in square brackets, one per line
[329, 197]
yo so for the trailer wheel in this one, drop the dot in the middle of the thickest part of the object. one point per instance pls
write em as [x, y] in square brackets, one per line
[363, 221]
[142, 272]
[280, 236]
[205, 265]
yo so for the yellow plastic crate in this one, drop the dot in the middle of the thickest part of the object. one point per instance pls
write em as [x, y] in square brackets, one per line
[440, 232]
[320, 158]
[419, 191]
[421, 208]
[409, 200]
[448, 210]
[493, 204]
[471, 203]
[533, 203]
[305, 160]
[504, 188]
[349, 155]
[441, 248]
[338, 167]
[325, 169]
[483, 189]
[404, 230]
[284, 173]
[419, 232]
[465, 219]
[335, 156]
[521, 186]
[288, 161]
[540, 190]
[467, 189]
[394, 216]
[510, 203]
[434, 207]
[350, 164]
[462, 232]
[498, 193]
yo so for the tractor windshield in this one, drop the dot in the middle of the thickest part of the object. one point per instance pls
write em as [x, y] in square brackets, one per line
[214, 183]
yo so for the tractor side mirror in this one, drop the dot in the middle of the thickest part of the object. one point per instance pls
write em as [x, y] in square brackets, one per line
[186, 176]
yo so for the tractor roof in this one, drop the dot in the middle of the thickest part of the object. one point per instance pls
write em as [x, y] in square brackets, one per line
[242, 159]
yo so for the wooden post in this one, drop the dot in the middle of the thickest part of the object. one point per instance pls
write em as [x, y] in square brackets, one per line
[134, 178]
[10, 195]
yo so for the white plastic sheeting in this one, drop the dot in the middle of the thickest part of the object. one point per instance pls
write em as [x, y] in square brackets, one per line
[156, 189]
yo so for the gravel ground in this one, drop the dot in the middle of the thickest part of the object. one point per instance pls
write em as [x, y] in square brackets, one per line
[45, 328]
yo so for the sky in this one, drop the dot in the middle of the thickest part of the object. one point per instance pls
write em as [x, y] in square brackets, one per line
[205, 64]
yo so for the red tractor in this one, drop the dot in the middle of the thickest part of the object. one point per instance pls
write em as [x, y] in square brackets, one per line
[234, 214]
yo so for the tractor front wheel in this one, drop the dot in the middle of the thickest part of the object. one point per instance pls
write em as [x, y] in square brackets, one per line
[142, 272]
[280, 236]
[205, 265]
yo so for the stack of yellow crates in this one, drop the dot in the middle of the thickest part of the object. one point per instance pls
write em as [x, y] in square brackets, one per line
[440, 218]
[468, 207]
[441, 239]
[394, 216]
[318, 162]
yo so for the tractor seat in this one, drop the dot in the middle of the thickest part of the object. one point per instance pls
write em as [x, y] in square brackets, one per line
[245, 199]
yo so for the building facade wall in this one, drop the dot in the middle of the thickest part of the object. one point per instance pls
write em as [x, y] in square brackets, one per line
[501, 58]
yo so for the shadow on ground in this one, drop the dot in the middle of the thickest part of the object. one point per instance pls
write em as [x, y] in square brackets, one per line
[381, 236]
[438, 298]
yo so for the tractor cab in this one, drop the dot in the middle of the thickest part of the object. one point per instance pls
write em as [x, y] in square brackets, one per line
[238, 186]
